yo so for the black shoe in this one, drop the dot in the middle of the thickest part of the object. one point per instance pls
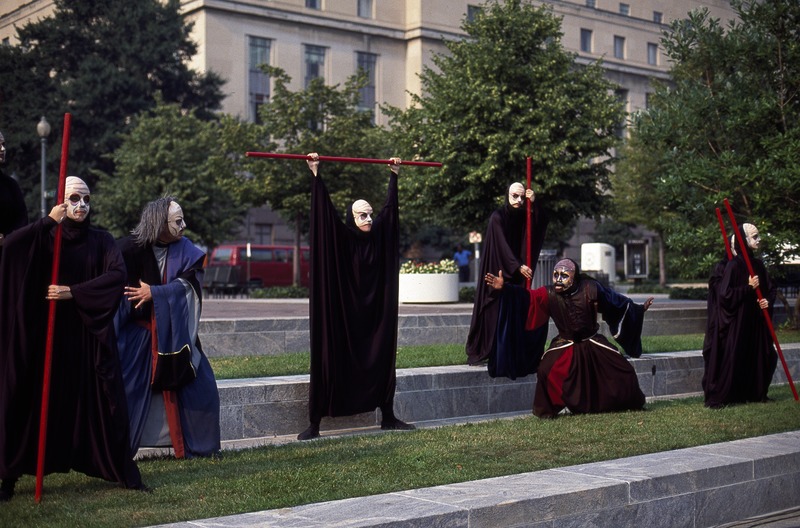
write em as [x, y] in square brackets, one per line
[310, 433]
[397, 425]
[7, 489]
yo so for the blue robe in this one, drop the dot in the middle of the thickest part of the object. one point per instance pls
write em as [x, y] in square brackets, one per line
[177, 299]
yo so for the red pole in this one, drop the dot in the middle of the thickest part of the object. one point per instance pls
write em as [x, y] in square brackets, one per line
[746, 257]
[341, 160]
[51, 316]
[528, 223]
[724, 234]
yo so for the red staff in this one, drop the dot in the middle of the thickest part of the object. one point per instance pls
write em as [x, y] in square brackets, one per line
[341, 160]
[746, 257]
[51, 316]
[528, 224]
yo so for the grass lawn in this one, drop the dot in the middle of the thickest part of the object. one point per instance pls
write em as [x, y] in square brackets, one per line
[336, 468]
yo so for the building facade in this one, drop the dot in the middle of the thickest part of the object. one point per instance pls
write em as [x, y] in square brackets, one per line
[392, 40]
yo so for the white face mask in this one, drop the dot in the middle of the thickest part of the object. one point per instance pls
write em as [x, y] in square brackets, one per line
[362, 215]
[516, 195]
[751, 236]
[77, 196]
[175, 225]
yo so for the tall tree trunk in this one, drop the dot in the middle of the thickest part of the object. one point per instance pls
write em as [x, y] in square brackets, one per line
[662, 262]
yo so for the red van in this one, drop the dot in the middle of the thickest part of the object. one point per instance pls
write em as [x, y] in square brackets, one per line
[229, 268]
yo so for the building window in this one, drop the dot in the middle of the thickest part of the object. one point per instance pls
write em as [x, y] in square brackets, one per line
[658, 17]
[258, 80]
[652, 54]
[315, 63]
[619, 47]
[586, 40]
[365, 8]
[366, 99]
[313, 4]
[591, 3]
[622, 97]
[625, 9]
[263, 233]
[472, 12]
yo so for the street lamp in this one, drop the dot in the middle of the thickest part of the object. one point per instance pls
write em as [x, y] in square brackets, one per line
[43, 129]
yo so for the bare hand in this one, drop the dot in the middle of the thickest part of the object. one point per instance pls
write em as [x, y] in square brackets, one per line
[648, 303]
[395, 165]
[530, 195]
[58, 212]
[139, 295]
[313, 163]
[495, 282]
[753, 281]
[763, 303]
[57, 292]
[526, 272]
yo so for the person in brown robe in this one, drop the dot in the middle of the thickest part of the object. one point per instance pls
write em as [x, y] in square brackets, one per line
[87, 426]
[581, 370]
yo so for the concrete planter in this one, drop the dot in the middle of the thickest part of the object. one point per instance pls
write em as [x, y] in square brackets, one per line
[428, 287]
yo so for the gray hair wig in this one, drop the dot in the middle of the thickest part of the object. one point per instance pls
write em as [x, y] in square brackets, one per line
[154, 216]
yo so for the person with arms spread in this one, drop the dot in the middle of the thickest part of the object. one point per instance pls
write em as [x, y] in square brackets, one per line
[581, 370]
[159, 317]
[353, 307]
[87, 426]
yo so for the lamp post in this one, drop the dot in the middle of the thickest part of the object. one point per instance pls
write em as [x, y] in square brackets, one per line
[43, 129]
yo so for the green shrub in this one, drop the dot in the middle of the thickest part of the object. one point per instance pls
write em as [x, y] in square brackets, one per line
[466, 294]
[692, 294]
[280, 292]
[648, 287]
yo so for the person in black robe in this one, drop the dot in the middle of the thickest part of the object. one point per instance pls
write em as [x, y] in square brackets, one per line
[505, 248]
[738, 352]
[581, 370]
[87, 426]
[13, 213]
[353, 307]
[164, 295]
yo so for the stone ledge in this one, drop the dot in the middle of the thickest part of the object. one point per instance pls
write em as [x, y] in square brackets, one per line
[699, 486]
[277, 406]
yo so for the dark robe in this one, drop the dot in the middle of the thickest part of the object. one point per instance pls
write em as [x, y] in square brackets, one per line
[13, 213]
[504, 248]
[581, 370]
[177, 300]
[739, 355]
[87, 427]
[353, 308]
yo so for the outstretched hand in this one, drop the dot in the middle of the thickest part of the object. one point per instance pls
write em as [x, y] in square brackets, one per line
[139, 295]
[313, 163]
[648, 303]
[493, 281]
[395, 165]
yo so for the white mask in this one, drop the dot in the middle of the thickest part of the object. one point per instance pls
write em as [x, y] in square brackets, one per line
[516, 195]
[751, 236]
[362, 215]
[76, 194]
[175, 225]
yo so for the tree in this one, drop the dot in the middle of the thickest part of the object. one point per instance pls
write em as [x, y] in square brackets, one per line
[507, 91]
[201, 163]
[326, 120]
[726, 128]
[103, 61]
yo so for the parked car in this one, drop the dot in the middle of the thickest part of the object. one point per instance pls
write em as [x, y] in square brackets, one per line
[230, 270]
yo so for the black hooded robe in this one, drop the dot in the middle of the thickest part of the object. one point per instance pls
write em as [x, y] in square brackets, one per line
[740, 358]
[87, 427]
[504, 248]
[353, 308]
[13, 213]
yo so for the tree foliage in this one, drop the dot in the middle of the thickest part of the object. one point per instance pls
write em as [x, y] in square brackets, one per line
[726, 128]
[326, 120]
[202, 163]
[103, 61]
[507, 91]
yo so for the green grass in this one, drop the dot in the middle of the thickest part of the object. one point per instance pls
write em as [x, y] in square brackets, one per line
[368, 464]
[426, 356]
